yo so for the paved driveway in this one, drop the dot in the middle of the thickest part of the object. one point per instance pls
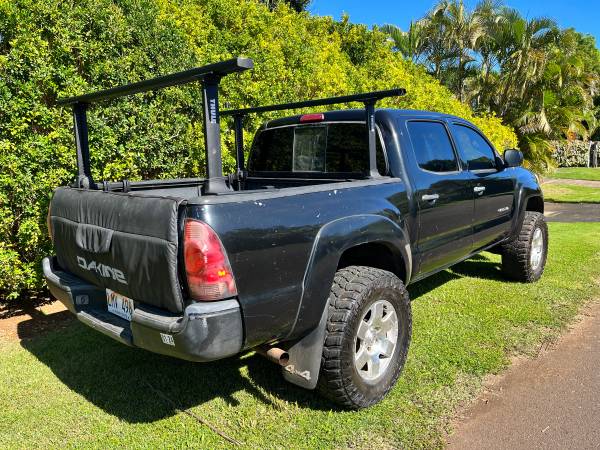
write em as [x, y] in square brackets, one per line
[551, 402]
[572, 212]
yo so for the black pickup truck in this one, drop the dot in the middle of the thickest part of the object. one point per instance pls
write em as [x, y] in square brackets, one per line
[303, 253]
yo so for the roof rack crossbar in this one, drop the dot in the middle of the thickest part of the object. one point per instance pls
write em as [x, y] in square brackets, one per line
[209, 75]
[187, 76]
[362, 98]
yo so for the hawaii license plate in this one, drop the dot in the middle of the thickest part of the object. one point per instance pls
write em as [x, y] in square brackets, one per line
[119, 304]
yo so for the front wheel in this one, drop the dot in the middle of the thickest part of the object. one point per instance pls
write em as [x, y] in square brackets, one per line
[524, 257]
[367, 336]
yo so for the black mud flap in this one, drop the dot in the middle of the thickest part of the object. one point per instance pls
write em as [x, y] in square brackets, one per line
[124, 242]
[304, 362]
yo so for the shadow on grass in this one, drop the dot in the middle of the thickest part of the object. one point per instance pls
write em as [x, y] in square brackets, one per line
[24, 306]
[478, 266]
[115, 377]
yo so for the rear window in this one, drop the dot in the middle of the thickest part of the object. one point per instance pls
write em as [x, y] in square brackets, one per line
[324, 148]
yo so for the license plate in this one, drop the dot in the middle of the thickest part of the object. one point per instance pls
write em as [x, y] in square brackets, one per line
[119, 304]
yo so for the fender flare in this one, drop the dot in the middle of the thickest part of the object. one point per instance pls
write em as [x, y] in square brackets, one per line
[523, 195]
[332, 240]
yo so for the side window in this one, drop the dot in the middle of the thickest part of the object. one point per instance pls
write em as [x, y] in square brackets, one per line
[432, 146]
[474, 148]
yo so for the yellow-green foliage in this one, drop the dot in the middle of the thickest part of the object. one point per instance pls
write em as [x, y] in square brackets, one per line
[50, 49]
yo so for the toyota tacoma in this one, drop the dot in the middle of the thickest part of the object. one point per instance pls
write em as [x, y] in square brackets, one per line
[305, 251]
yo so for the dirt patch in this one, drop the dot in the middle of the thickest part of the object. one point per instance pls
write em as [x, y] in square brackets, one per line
[27, 319]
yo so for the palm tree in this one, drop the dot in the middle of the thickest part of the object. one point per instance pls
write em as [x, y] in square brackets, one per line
[543, 81]
[462, 31]
[482, 86]
[570, 89]
[523, 56]
[410, 44]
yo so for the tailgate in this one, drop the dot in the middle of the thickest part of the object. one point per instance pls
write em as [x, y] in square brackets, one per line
[123, 242]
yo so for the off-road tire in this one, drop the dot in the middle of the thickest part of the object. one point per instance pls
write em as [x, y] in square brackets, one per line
[516, 254]
[354, 290]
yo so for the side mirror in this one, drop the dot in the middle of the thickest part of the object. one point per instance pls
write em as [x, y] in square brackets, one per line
[513, 158]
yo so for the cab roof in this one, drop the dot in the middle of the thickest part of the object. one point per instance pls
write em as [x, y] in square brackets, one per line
[352, 115]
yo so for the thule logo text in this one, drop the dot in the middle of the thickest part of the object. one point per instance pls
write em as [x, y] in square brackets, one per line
[102, 269]
[213, 111]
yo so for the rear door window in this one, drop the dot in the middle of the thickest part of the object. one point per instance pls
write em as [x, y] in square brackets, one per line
[474, 148]
[338, 147]
[432, 146]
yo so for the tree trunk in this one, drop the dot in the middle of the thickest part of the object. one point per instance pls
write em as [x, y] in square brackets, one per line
[460, 76]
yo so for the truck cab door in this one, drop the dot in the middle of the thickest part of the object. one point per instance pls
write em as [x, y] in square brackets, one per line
[443, 193]
[493, 185]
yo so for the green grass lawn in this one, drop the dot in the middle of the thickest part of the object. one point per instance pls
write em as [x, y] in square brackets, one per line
[77, 388]
[577, 173]
[570, 193]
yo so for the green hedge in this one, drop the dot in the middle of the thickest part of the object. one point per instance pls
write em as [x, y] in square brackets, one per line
[50, 49]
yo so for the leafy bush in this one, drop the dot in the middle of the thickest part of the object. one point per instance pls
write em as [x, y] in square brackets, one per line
[571, 153]
[54, 49]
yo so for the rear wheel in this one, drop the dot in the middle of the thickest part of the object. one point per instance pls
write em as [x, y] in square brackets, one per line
[524, 257]
[367, 336]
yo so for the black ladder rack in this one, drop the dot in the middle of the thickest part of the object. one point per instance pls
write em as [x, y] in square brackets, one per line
[368, 99]
[210, 77]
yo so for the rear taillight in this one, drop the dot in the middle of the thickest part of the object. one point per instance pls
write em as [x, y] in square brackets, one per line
[207, 268]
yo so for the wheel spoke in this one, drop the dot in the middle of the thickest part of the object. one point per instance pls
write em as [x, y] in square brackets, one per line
[361, 358]
[362, 330]
[377, 312]
[388, 322]
[373, 366]
[387, 348]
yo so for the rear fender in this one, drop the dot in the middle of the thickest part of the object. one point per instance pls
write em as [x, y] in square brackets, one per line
[331, 242]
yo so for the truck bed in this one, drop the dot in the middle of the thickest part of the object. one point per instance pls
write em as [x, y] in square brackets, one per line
[126, 236]
[189, 188]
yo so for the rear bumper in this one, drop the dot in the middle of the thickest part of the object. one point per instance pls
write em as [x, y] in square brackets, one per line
[205, 331]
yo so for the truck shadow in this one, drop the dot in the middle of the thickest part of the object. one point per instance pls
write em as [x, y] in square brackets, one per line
[124, 381]
[478, 266]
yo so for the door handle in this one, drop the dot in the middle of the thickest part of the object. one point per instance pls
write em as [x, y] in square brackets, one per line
[479, 189]
[430, 197]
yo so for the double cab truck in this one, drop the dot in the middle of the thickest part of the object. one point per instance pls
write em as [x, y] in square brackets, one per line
[305, 252]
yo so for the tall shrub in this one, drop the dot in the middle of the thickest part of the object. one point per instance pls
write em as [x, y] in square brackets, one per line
[52, 49]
